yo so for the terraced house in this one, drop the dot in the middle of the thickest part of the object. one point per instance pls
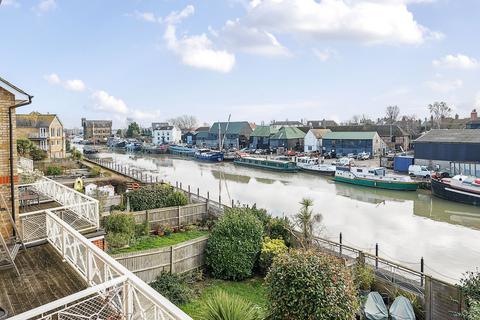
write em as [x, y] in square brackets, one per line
[44, 130]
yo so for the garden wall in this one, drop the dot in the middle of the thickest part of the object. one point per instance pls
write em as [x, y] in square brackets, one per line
[173, 216]
[180, 258]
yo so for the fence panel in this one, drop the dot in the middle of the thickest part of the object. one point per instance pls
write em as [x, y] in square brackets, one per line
[173, 216]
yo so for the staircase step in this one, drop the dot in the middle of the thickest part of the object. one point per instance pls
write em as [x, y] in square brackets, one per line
[15, 250]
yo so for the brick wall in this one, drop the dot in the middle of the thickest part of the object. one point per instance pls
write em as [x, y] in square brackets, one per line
[100, 242]
[7, 99]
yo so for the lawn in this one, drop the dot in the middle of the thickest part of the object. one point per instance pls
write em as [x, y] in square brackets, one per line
[251, 290]
[152, 242]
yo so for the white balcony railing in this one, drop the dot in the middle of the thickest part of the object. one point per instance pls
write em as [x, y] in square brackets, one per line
[114, 293]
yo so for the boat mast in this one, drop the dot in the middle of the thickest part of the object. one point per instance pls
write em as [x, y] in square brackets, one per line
[226, 129]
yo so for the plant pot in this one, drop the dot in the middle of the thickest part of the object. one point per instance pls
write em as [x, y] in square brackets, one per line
[160, 233]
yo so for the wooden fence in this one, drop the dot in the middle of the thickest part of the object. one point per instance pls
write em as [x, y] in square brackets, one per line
[180, 258]
[173, 216]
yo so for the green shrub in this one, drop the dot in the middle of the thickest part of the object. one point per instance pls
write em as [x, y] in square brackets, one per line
[176, 198]
[364, 276]
[279, 228]
[76, 154]
[37, 154]
[270, 249]
[54, 171]
[95, 171]
[118, 207]
[234, 245]
[149, 197]
[119, 222]
[223, 306]
[117, 240]
[473, 312]
[470, 288]
[309, 285]
[173, 287]
[261, 215]
[142, 229]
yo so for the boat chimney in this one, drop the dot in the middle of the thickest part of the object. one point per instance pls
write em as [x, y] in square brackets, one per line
[474, 115]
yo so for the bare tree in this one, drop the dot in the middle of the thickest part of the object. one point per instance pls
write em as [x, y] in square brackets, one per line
[184, 122]
[438, 111]
[392, 113]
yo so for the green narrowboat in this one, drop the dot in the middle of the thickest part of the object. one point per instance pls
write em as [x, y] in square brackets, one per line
[374, 178]
[277, 165]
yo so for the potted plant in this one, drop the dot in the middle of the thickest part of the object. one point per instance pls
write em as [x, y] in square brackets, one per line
[159, 230]
[168, 230]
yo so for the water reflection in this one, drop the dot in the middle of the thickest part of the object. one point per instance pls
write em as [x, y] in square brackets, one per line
[407, 225]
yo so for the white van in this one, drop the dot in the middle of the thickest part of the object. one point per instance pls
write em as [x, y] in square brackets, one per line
[419, 171]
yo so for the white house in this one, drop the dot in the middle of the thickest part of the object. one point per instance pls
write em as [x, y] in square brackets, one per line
[166, 134]
[313, 140]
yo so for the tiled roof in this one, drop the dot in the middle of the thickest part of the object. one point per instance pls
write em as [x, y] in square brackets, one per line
[35, 120]
[350, 135]
[287, 133]
[451, 136]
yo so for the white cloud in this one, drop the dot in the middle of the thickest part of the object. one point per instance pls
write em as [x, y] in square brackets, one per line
[196, 50]
[367, 21]
[108, 103]
[444, 86]
[459, 61]
[72, 85]
[75, 85]
[10, 3]
[45, 6]
[145, 16]
[52, 78]
[251, 40]
[323, 55]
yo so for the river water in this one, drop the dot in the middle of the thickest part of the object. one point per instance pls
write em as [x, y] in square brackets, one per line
[406, 225]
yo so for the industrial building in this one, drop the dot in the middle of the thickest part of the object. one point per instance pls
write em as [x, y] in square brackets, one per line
[290, 138]
[457, 150]
[354, 142]
[232, 135]
[260, 137]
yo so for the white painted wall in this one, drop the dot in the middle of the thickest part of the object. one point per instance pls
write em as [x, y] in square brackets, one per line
[167, 136]
[311, 143]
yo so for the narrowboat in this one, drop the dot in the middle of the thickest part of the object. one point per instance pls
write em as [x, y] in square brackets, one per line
[209, 155]
[181, 150]
[314, 166]
[134, 146]
[277, 165]
[375, 178]
[460, 188]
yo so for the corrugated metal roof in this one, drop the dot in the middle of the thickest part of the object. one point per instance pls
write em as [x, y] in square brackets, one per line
[287, 133]
[382, 129]
[451, 136]
[263, 131]
[239, 127]
[350, 135]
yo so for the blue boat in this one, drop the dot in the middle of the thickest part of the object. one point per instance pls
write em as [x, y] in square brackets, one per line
[209, 155]
[181, 150]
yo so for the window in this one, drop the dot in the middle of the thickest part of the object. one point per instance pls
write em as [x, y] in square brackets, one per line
[52, 132]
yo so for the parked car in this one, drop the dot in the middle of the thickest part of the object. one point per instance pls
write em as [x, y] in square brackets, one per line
[419, 171]
[363, 156]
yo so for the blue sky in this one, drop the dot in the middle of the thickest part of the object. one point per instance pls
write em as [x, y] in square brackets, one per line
[258, 60]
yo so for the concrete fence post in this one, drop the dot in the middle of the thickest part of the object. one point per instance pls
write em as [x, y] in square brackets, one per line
[172, 263]
[179, 216]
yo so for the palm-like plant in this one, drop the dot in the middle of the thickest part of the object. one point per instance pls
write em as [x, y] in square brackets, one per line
[307, 222]
[222, 306]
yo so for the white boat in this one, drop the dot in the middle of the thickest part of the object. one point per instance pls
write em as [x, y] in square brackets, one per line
[313, 165]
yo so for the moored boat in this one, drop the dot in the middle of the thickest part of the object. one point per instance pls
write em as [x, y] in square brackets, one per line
[277, 165]
[181, 150]
[375, 178]
[460, 188]
[314, 166]
[209, 155]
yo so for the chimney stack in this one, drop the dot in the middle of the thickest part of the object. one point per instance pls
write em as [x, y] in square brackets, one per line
[473, 115]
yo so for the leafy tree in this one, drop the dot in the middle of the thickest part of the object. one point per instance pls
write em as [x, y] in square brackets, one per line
[184, 122]
[24, 147]
[234, 245]
[310, 285]
[119, 132]
[37, 154]
[307, 222]
[76, 154]
[439, 110]
[67, 145]
[133, 130]
[470, 288]
[392, 113]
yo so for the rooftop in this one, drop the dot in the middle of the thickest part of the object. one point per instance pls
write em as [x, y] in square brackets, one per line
[319, 133]
[288, 133]
[350, 135]
[451, 136]
[382, 129]
[263, 131]
[35, 119]
[238, 127]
